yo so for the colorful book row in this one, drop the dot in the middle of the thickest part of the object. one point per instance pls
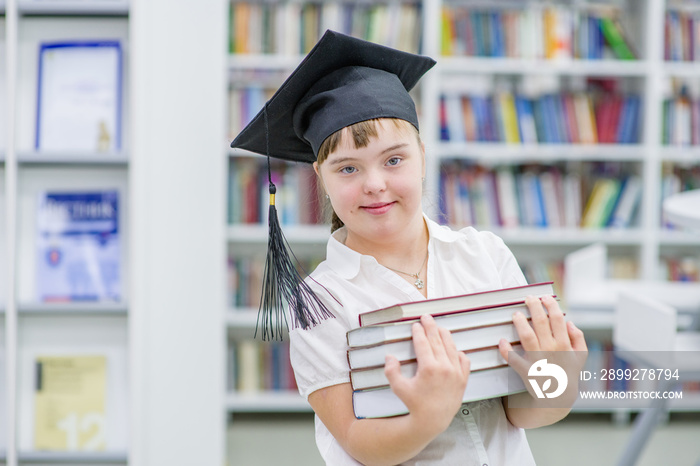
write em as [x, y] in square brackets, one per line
[255, 366]
[675, 179]
[245, 278]
[681, 269]
[297, 198]
[682, 35]
[551, 32]
[572, 118]
[541, 197]
[681, 121]
[244, 104]
[292, 28]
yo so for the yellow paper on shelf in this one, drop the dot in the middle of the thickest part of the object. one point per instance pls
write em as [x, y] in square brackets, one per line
[69, 403]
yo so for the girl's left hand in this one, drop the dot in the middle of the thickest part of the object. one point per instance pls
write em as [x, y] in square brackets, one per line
[549, 332]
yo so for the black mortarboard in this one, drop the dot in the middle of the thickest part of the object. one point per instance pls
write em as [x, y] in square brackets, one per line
[342, 81]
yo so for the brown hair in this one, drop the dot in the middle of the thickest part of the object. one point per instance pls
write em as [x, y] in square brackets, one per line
[361, 133]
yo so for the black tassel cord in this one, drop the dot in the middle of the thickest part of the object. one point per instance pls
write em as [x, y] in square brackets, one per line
[282, 282]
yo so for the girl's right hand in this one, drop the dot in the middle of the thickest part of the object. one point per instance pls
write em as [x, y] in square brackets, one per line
[434, 394]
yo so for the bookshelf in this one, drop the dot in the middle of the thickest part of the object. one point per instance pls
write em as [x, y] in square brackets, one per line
[650, 77]
[168, 317]
[31, 327]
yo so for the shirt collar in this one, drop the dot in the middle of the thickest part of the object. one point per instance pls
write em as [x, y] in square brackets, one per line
[346, 262]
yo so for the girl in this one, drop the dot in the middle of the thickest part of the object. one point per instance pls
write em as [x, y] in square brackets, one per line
[362, 135]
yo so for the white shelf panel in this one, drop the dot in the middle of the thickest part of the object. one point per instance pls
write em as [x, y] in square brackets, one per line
[264, 62]
[564, 236]
[264, 402]
[682, 69]
[681, 154]
[73, 308]
[502, 153]
[486, 65]
[58, 457]
[67, 158]
[678, 238]
[295, 234]
[242, 318]
[74, 7]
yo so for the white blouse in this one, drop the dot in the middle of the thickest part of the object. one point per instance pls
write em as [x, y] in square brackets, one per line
[459, 262]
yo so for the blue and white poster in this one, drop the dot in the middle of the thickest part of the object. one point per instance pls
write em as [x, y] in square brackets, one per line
[78, 246]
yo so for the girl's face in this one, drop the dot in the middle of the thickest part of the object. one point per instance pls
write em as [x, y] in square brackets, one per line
[376, 190]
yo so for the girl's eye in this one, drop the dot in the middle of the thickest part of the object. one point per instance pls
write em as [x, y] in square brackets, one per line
[348, 170]
[394, 161]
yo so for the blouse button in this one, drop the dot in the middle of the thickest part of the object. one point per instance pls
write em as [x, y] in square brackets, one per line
[466, 413]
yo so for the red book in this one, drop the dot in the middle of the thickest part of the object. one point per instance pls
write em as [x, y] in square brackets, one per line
[461, 303]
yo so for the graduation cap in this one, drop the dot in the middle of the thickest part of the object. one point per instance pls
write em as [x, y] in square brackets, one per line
[342, 81]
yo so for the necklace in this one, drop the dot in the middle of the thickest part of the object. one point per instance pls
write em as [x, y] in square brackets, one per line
[418, 283]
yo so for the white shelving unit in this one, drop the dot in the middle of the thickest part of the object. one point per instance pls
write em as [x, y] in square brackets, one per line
[168, 173]
[649, 75]
[31, 327]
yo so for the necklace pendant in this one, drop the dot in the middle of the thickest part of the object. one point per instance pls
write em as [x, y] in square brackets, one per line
[419, 283]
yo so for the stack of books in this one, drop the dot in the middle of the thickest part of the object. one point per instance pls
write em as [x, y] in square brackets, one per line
[477, 321]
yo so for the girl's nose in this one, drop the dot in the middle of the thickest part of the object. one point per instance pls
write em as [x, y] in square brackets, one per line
[374, 182]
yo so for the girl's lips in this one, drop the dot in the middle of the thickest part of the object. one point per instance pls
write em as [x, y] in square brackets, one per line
[378, 208]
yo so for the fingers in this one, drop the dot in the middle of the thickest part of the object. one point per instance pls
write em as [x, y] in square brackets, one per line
[436, 338]
[392, 370]
[556, 319]
[549, 330]
[504, 347]
[540, 323]
[578, 341]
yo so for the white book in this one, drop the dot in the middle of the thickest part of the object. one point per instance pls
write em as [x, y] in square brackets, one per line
[442, 306]
[572, 200]
[375, 377]
[551, 199]
[507, 199]
[330, 16]
[375, 334]
[491, 383]
[465, 340]
[455, 118]
[629, 198]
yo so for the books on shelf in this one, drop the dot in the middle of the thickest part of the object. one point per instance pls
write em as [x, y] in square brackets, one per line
[78, 246]
[552, 32]
[443, 306]
[551, 196]
[245, 275]
[566, 118]
[680, 119]
[292, 28]
[69, 402]
[477, 322]
[682, 35]
[254, 366]
[79, 101]
[676, 178]
[298, 196]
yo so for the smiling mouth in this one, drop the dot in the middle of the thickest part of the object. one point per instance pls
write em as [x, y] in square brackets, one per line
[378, 208]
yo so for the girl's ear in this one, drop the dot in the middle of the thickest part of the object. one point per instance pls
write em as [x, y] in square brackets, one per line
[317, 169]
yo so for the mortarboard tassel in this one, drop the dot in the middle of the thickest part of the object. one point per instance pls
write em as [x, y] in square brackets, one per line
[282, 282]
